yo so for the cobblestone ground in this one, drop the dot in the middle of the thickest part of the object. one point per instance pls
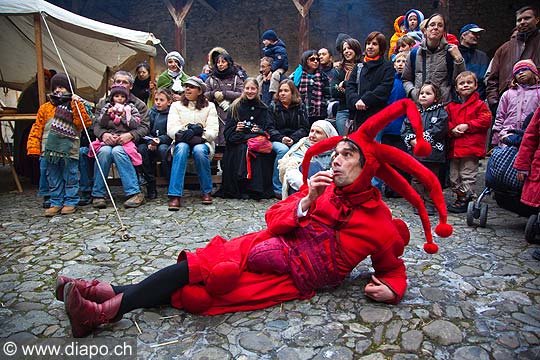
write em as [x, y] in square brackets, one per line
[478, 298]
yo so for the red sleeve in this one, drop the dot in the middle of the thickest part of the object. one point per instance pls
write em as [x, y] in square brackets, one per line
[390, 269]
[481, 121]
[282, 217]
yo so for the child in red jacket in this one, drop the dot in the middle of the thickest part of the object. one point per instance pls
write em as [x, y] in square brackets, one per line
[468, 121]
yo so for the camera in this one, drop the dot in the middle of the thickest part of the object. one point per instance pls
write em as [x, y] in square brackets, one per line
[248, 125]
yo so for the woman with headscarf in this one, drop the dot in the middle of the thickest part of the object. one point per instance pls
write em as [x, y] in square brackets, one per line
[223, 86]
[312, 85]
[351, 54]
[371, 82]
[142, 86]
[290, 172]
[174, 77]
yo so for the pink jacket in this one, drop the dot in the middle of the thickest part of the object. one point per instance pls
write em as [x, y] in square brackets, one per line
[515, 104]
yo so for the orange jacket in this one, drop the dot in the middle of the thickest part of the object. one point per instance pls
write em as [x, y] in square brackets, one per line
[45, 113]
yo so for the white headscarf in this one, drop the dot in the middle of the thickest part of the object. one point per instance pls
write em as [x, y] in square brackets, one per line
[326, 126]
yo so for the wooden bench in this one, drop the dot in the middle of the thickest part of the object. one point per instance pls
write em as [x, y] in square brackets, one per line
[190, 179]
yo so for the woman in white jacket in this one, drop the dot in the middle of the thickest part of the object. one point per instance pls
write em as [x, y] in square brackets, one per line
[193, 126]
[289, 166]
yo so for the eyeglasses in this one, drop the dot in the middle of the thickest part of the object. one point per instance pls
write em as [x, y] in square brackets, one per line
[313, 59]
[190, 86]
[118, 81]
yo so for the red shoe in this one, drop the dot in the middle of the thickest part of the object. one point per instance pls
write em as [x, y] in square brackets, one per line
[85, 315]
[90, 290]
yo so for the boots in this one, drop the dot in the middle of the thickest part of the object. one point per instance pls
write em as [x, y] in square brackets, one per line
[460, 204]
[90, 290]
[151, 192]
[85, 315]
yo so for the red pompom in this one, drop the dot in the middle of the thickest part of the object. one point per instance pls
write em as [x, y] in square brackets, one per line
[444, 230]
[431, 248]
[195, 299]
[223, 278]
[403, 230]
[422, 149]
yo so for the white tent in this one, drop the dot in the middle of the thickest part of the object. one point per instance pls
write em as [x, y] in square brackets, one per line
[87, 47]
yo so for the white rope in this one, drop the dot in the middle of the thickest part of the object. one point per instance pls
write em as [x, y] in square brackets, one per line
[122, 226]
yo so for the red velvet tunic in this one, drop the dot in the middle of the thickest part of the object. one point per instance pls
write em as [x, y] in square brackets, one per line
[364, 227]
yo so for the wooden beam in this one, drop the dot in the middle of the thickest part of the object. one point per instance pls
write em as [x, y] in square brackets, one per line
[39, 58]
[179, 11]
[303, 7]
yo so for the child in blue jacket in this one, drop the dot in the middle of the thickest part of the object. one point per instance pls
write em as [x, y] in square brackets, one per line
[275, 48]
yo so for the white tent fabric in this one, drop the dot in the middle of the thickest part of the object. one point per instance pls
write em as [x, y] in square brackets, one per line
[87, 47]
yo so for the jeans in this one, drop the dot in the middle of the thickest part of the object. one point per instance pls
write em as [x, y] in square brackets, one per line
[85, 183]
[149, 161]
[200, 154]
[375, 181]
[106, 156]
[280, 149]
[341, 118]
[43, 189]
[63, 179]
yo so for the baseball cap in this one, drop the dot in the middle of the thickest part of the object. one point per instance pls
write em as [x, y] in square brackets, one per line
[471, 27]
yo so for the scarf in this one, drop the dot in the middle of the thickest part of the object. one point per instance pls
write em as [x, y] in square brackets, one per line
[348, 68]
[174, 74]
[62, 134]
[311, 89]
[367, 58]
[223, 74]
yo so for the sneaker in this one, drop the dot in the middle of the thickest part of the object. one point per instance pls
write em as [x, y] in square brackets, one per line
[99, 203]
[53, 210]
[66, 210]
[459, 206]
[134, 201]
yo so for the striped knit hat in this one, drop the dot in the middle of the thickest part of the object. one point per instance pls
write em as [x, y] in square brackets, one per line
[527, 64]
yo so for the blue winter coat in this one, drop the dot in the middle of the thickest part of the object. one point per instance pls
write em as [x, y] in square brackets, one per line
[158, 125]
[278, 52]
[394, 128]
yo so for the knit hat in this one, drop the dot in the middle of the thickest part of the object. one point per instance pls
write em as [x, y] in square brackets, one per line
[380, 160]
[176, 56]
[327, 127]
[269, 35]
[471, 27]
[340, 40]
[61, 79]
[119, 89]
[196, 81]
[521, 65]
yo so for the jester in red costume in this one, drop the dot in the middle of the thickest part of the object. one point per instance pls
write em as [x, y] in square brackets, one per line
[313, 240]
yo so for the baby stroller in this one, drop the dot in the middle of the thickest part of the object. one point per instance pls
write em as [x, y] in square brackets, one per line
[501, 181]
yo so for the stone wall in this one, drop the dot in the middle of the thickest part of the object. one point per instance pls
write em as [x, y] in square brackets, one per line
[236, 25]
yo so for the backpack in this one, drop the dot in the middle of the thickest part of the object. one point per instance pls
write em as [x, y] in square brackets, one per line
[449, 66]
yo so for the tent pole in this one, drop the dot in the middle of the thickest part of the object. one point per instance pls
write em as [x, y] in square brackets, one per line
[152, 78]
[39, 58]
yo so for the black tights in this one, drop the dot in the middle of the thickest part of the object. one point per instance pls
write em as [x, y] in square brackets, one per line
[155, 290]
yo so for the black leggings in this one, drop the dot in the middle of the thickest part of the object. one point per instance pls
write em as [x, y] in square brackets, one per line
[155, 290]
